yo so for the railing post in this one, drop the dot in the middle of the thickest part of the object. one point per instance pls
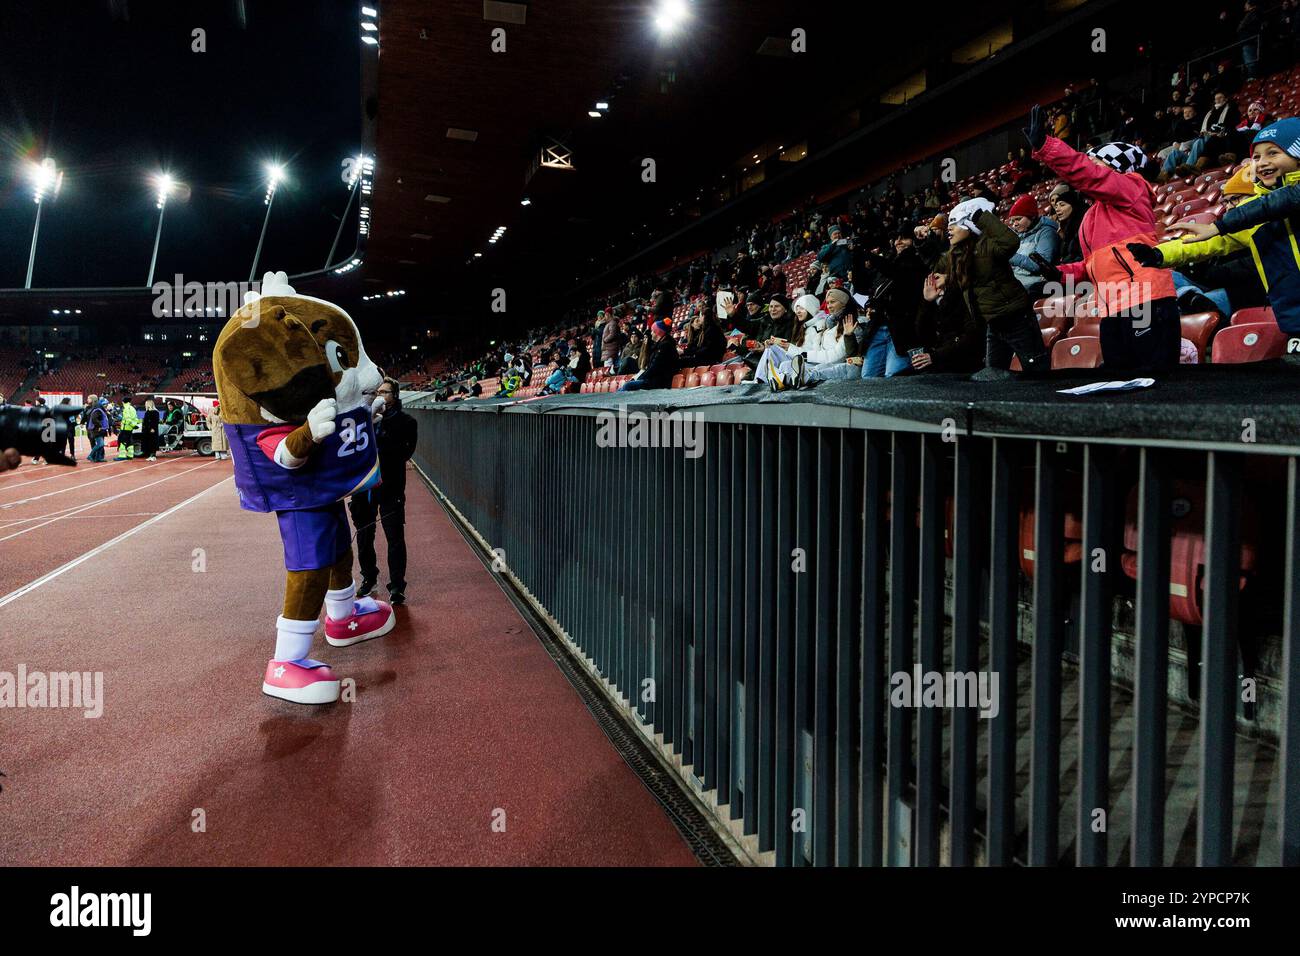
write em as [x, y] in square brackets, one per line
[1099, 564]
[1220, 686]
[1004, 622]
[1151, 665]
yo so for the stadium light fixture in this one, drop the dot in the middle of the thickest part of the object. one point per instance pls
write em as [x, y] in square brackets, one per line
[165, 185]
[369, 12]
[602, 106]
[275, 174]
[595, 114]
[46, 179]
[670, 15]
[358, 176]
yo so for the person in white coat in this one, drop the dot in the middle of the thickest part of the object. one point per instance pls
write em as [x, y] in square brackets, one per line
[824, 342]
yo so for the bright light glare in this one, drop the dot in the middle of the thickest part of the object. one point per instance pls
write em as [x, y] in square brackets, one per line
[165, 185]
[45, 177]
[670, 15]
[274, 173]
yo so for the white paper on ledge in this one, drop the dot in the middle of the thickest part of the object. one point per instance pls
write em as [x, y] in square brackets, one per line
[1108, 387]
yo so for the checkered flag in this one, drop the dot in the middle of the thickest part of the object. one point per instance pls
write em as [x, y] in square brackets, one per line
[1122, 157]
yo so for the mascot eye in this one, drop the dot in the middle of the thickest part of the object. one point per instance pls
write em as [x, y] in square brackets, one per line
[337, 358]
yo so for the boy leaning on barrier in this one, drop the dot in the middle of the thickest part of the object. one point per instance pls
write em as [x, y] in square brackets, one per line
[1265, 224]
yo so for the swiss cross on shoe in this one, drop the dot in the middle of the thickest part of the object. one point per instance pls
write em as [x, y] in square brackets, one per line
[352, 626]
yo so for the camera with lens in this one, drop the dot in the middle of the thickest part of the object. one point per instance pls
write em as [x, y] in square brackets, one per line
[38, 431]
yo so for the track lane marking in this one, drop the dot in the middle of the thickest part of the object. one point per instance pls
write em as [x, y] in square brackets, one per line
[78, 509]
[77, 487]
[100, 549]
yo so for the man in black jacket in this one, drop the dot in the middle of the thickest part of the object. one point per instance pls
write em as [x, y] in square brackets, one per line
[395, 431]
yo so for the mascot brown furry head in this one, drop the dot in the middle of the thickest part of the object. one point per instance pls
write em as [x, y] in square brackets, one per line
[296, 390]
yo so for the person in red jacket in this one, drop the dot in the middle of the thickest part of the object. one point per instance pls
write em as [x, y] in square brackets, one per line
[1140, 326]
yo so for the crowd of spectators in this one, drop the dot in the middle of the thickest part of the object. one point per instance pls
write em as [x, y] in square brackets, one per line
[945, 278]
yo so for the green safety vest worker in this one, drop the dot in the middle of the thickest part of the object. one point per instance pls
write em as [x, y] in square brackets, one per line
[125, 435]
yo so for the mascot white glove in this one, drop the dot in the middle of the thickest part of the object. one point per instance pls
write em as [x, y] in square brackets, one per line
[321, 419]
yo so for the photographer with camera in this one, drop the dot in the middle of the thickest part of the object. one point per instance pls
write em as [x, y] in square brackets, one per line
[35, 432]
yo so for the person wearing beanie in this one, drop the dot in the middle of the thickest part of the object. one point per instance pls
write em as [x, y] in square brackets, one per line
[1264, 223]
[1038, 236]
[820, 339]
[1140, 324]
[836, 256]
[662, 360]
[977, 267]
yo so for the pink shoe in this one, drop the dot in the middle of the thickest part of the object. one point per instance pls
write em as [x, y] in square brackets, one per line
[369, 619]
[303, 682]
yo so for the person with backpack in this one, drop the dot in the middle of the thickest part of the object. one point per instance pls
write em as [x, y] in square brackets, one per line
[97, 426]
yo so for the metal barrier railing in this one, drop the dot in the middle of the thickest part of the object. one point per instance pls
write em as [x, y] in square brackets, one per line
[755, 603]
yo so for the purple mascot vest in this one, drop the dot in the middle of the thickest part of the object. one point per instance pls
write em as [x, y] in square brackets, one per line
[343, 464]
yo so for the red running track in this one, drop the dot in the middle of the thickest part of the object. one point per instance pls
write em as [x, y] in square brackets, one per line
[459, 712]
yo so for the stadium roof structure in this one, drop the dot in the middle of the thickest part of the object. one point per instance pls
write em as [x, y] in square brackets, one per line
[465, 116]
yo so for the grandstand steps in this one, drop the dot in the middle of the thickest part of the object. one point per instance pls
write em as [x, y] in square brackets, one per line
[27, 389]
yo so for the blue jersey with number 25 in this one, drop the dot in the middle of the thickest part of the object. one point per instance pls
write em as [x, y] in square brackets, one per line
[343, 464]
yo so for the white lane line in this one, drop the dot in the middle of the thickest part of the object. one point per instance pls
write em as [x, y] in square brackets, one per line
[70, 513]
[63, 511]
[99, 517]
[63, 569]
[118, 472]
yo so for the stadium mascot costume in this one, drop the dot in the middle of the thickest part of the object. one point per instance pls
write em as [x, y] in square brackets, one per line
[297, 392]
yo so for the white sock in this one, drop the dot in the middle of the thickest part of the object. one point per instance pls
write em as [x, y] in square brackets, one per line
[338, 604]
[293, 638]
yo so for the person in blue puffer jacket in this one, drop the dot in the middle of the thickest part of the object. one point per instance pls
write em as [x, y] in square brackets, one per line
[1038, 235]
[1267, 224]
[835, 255]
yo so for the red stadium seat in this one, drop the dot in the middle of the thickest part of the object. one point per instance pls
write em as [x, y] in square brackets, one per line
[709, 378]
[1071, 505]
[1199, 328]
[679, 380]
[1057, 312]
[1050, 335]
[1254, 315]
[1077, 352]
[692, 378]
[1187, 547]
[1239, 344]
